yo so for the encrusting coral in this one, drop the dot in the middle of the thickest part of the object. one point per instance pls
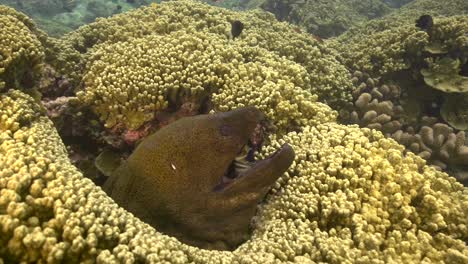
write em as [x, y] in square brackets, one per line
[21, 52]
[350, 195]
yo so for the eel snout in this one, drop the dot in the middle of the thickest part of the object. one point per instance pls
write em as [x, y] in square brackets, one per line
[263, 173]
[244, 173]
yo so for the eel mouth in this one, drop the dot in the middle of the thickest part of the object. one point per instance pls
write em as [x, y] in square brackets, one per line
[245, 164]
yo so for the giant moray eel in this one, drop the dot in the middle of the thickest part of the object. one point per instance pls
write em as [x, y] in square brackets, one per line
[196, 179]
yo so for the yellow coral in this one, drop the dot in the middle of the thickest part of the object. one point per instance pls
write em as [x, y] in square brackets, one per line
[393, 43]
[350, 196]
[13, 115]
[21, 52]
[381, 52]
[327, 78]
[128, 82]
[356, 197]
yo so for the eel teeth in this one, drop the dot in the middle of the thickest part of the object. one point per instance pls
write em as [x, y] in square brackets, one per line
[241, 163]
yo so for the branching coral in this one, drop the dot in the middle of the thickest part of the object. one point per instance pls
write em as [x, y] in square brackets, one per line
[21, 52]
[351, 195]
[438, 143]
[382, 52]
[355, 197]
[327, 78]
[14, 115]
[129, 82]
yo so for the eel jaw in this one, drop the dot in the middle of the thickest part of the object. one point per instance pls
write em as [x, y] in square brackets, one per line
[244, 175]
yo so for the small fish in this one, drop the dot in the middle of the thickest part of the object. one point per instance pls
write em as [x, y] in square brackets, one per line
[425, 22]
[236, 28]
[131, 1]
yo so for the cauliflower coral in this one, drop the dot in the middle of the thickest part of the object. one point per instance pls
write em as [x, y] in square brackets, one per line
[21, 52]
[146, 27]
[128, 82]
[350, 196]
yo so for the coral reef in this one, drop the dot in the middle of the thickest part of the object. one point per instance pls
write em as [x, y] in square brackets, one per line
[44, 7]
[414, 121]
[326, 18]
[403, 78]
[44, 11]
[267, 54]
[125, 84]
[454, 111]
[450, 8]
[397, 3]
[443, 74]
[237, 5]
[351, 195]
[393, 43]
[328, 79]
[58, 17]
[381, 51]
[21, 52]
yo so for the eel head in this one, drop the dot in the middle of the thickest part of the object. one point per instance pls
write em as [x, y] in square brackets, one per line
[197, 179]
